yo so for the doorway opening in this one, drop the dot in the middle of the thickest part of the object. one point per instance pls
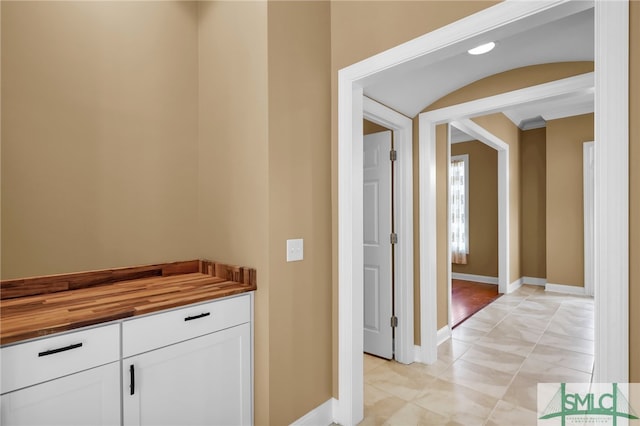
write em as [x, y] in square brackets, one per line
[611, 183]
[480, 134]
[473, 225]
[402, 128]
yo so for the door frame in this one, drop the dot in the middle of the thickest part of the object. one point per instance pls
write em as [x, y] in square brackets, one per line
[459, 116]
[402, 128]
[612, 182]
[502, 148]
[588, 170]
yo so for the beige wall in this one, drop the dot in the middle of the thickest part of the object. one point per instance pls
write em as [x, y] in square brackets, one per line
[565, 224]
[502, 127]
[442, 226]
[360, 29]
[233, 164]
[533, 170]
[369, 127]
[300, 340]
[135, 148]
[280, 185]
[483, 209]
[99, 136]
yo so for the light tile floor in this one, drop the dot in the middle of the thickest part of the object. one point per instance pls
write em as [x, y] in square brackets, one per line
[488, 372]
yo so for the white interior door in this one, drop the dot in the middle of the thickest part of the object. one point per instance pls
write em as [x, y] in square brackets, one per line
[378, 333]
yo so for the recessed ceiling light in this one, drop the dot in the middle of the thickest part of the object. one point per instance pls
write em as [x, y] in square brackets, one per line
[483, 48]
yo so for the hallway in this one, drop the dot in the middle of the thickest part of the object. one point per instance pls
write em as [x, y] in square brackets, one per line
[487, 373]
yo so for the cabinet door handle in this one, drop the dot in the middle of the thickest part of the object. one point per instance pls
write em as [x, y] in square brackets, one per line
[58, 350]
[132, 375]
[202, 315]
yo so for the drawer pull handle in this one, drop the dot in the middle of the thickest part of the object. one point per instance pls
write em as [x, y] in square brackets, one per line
[132, 375]
[202, 315]
[58, 350]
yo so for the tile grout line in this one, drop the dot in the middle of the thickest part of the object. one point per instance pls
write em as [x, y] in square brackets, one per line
[470, 345]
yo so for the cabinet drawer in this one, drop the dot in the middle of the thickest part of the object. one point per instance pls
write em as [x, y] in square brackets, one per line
[29, 363]
[158, 330]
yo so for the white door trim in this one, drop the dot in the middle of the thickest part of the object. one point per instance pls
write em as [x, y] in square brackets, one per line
[459, 115]
[589, 207]
[553, 90]
[403, 182]
[612, 183]
[611, 284]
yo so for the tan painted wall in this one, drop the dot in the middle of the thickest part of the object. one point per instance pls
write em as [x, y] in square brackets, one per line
[483, 209]
[634, 191]
[565, 224]
[233, 178]
[369, 127]
[282, 192]
[99, 135]
[533, 170]
[502, 127]
[141, 133]
[442, 226]
[360, 29]
[300, 364]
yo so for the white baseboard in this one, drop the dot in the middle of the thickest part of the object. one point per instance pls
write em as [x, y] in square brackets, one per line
[514, 285]
[568, 289]
[322, 415]
[442, 336]
[417, 353]
[534, 281]
[477, 278]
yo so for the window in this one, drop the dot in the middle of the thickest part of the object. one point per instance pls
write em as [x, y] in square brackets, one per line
[459, 187]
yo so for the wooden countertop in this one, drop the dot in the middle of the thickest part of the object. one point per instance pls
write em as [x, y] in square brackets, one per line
[40, 306]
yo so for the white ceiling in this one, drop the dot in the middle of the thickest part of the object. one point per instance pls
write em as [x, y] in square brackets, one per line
[570, 38]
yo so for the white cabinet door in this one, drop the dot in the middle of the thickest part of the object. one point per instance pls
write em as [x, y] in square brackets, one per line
[91, 397]
[203, 381]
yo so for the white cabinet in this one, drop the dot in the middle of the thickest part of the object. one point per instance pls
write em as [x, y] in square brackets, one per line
[187, 366]
[203, 381]
[190, 366]
[90, 397]
[70, 379]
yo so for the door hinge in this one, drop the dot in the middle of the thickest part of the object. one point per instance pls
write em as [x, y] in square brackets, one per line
[393, 155]
[394, 238]
[394, 321]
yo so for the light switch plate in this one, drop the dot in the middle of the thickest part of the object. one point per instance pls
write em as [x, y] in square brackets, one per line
[295, 250]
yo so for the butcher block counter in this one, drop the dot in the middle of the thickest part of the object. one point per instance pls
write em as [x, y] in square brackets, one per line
[40, 306]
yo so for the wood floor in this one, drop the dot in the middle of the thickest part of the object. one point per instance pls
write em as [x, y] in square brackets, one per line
[468, 297]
